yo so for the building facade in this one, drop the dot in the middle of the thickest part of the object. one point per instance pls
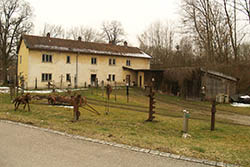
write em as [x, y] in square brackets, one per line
[77, 63]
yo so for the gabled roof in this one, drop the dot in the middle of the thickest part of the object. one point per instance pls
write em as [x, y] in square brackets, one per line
[218, 74]
[77, 46]
[175, 73]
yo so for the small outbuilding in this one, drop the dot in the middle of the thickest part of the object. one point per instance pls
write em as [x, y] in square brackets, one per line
[193, 82]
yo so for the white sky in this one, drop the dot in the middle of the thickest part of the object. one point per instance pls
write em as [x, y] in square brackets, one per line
[135, 15]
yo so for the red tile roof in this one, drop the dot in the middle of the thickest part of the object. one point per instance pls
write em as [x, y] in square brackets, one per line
[66, 45]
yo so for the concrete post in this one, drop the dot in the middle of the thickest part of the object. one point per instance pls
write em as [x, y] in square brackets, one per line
[185, 121]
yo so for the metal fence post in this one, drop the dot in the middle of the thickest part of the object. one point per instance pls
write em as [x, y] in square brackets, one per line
[186, 116]
[213, 111]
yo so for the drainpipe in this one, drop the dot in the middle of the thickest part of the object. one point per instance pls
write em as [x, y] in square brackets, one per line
[76, 77]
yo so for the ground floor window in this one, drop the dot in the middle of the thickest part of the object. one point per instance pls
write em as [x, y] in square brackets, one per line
[46, 77]
[111, 77]
[68, 78]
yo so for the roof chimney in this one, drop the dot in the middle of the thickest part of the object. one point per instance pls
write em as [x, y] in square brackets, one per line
[48, 35]
[125, 43]
[79, 38]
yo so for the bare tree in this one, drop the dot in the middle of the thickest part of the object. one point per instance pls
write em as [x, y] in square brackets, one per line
[56, 31]
[184, 54]
[207, 21]
[244, 6]
[243, 51]
[87, 34]
[15, 18]
[157, 40]
[231, 23]
[113, 32]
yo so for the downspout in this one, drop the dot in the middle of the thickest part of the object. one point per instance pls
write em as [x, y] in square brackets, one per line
[76, 77]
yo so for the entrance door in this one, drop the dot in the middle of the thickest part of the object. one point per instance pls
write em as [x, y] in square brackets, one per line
[93, 79]
[140, 81]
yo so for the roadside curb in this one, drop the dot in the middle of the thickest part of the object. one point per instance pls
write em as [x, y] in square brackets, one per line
[128, 147]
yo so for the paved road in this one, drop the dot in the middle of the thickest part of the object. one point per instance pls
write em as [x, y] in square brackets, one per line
[26, 147]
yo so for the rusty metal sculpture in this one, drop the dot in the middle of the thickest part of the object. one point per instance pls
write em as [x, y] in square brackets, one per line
[151, 105]
[55, 99]
[75, 101]
[108, 92]
[23, 99]
[213, 111]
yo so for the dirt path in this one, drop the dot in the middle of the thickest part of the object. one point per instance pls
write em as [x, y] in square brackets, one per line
[236, 118]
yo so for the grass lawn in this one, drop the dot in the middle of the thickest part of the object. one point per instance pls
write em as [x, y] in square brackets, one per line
[229, 143]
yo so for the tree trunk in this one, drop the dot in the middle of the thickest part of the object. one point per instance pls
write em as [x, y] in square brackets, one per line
[4, 73]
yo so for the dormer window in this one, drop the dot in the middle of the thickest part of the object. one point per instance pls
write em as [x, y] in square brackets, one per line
[46, 58]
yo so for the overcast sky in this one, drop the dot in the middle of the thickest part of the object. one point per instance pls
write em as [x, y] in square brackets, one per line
[135, 15]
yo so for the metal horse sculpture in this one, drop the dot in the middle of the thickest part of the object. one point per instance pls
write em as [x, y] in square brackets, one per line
[24, 99]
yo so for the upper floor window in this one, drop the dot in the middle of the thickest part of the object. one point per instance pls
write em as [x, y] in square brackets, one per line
[46, 77]
[93, 60]
[68, 59]
[46, 58]
[112, 61]
[128, 63]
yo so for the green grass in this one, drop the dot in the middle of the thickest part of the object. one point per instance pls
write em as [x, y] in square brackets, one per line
[228, 143]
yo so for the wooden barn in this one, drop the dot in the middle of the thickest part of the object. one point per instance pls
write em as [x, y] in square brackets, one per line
[193, 82]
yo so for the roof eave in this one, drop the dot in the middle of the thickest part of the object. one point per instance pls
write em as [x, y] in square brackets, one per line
[91, 53]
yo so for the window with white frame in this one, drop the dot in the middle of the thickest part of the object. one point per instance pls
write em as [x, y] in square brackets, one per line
[112, 61]
[46, 77]
[128, 63]
[111, 77]
[93, 60]
[46, 58]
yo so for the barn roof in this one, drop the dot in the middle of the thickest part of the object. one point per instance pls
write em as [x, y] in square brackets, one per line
[78, 46]
[189, 73]
[218, 74]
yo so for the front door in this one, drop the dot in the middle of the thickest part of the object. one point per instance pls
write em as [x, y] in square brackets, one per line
[140, 81]
[93, 79]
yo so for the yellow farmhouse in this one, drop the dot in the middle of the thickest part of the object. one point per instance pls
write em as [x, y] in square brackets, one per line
[64, 62]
